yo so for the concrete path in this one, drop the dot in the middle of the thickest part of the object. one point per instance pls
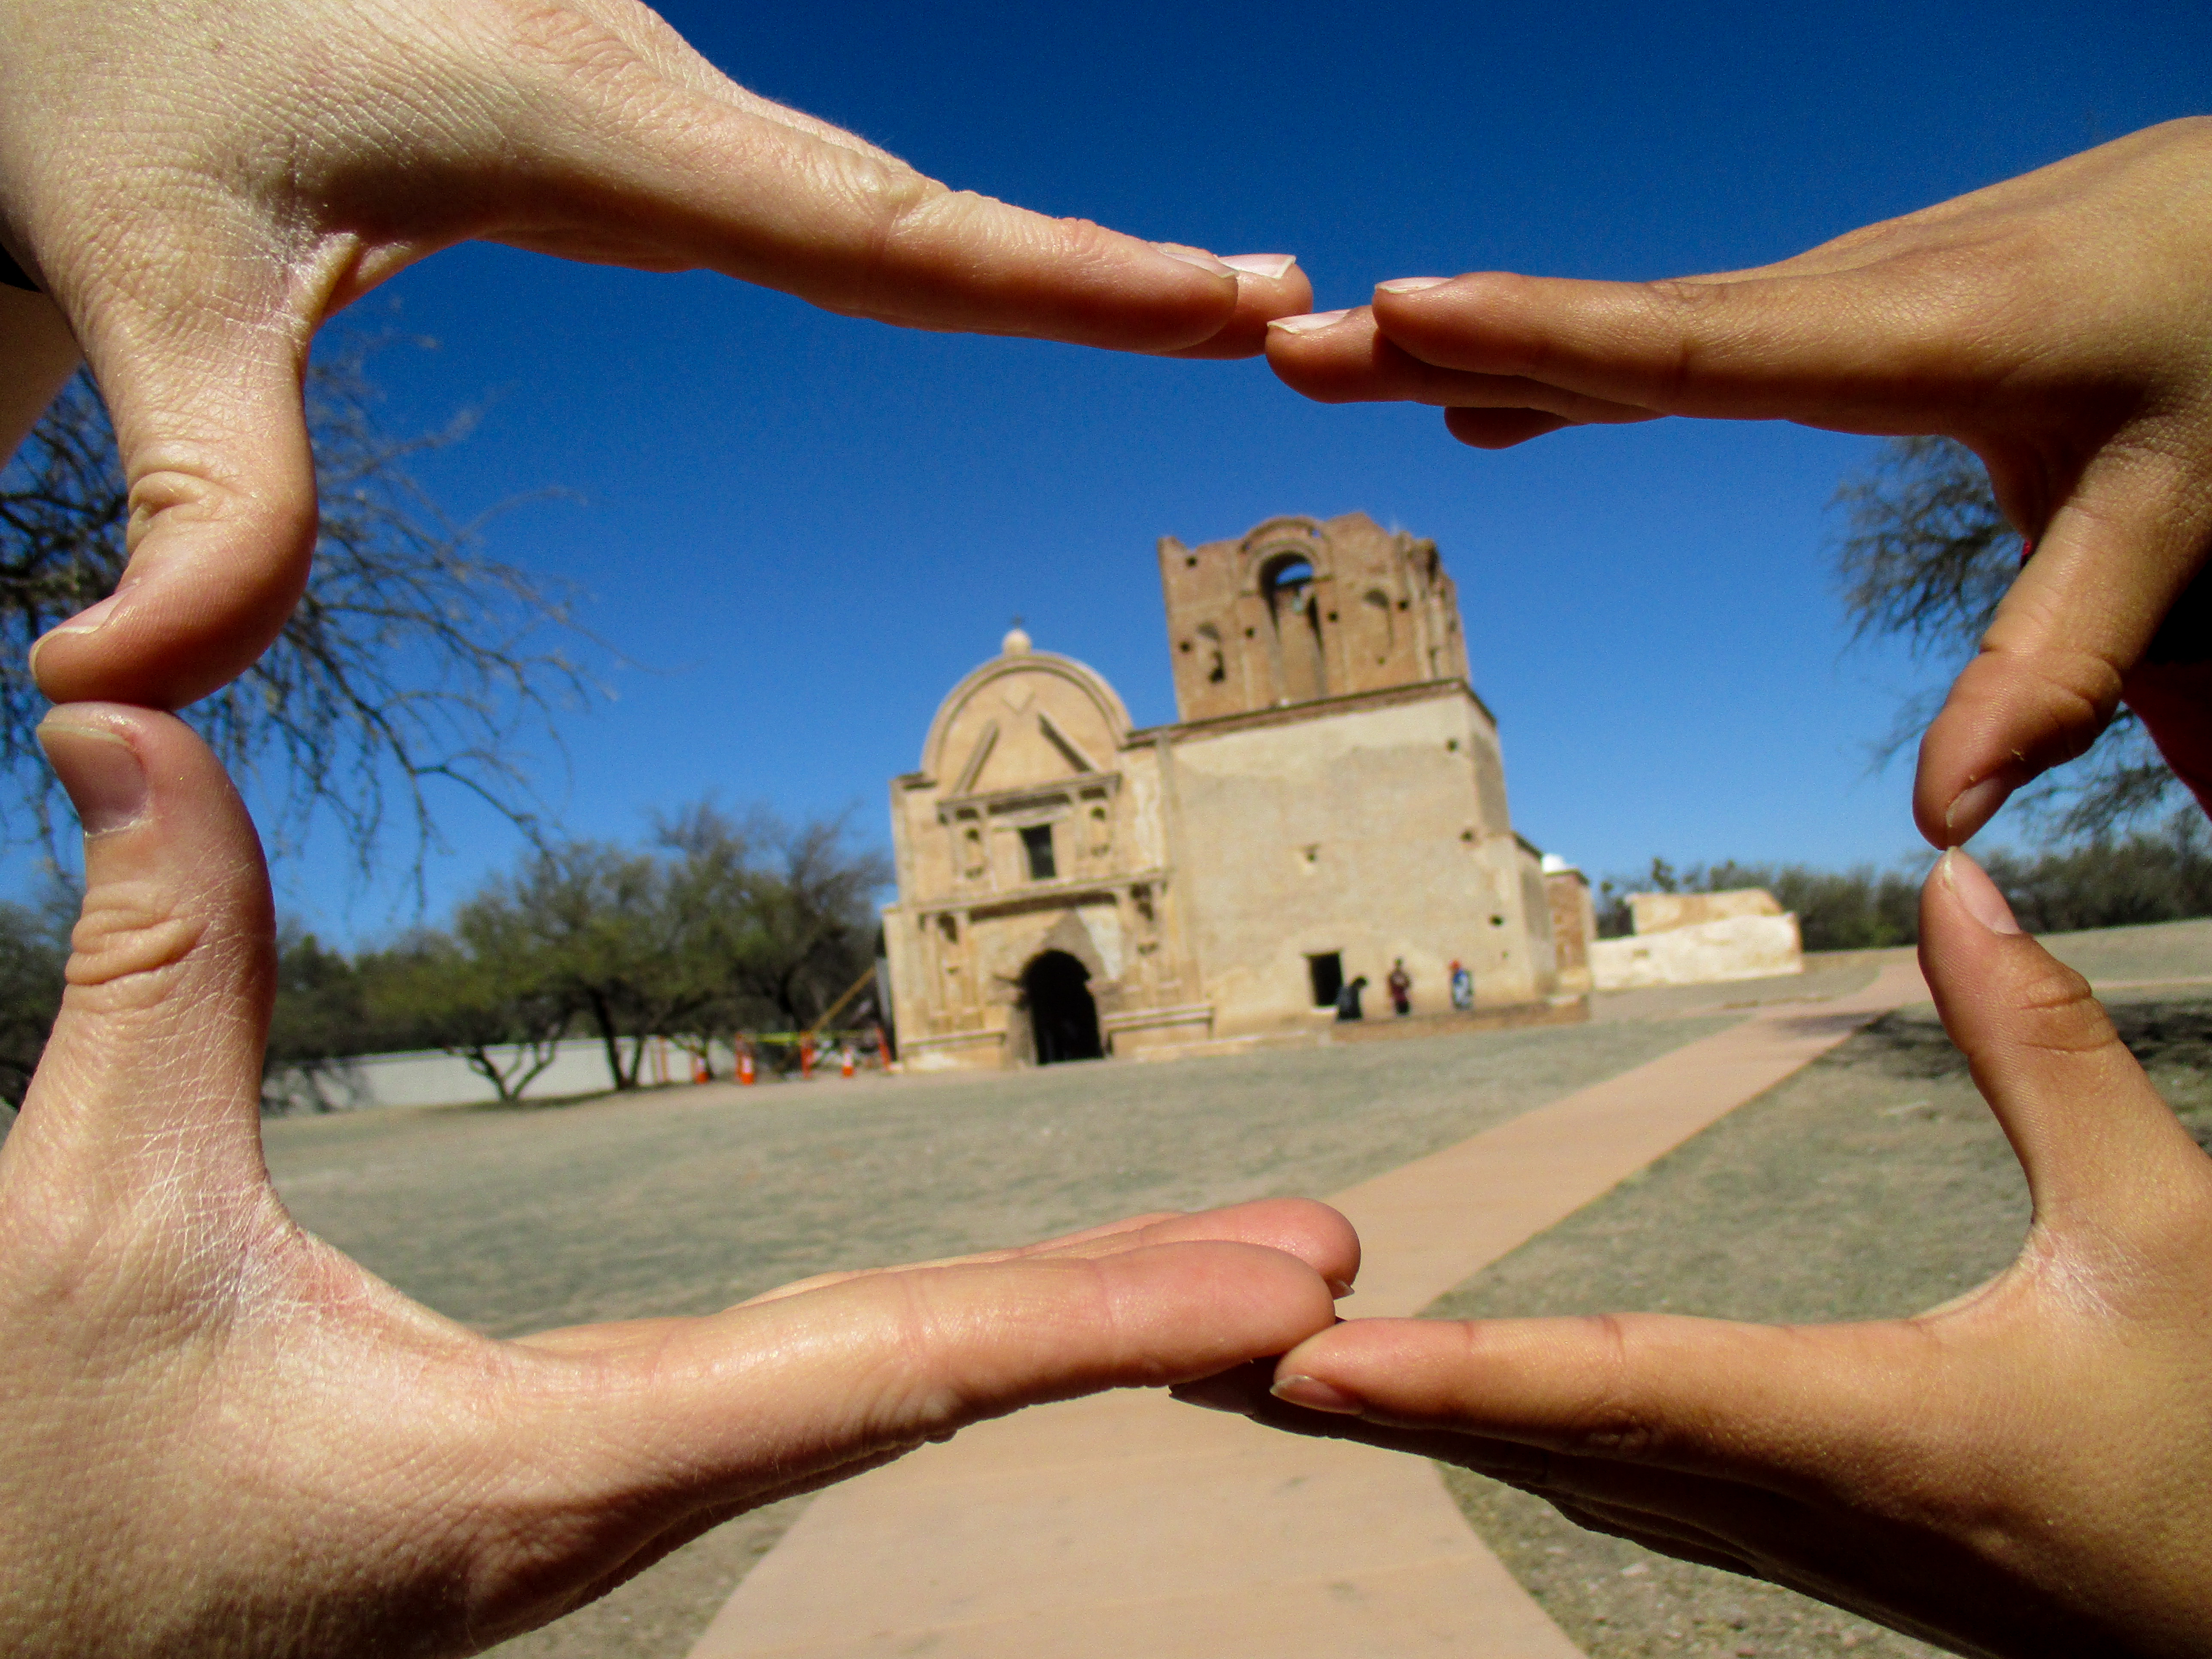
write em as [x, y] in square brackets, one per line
[1128, 1527]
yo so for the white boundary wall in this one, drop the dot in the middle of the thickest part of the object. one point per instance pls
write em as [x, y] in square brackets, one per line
[1708, 952]
[433, 1077]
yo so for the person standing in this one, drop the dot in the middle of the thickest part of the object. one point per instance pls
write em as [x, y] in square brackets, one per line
[1347, 1000]
[1401, 988]
[1462, 988]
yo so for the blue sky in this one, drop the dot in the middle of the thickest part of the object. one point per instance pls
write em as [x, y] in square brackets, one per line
[803, 529]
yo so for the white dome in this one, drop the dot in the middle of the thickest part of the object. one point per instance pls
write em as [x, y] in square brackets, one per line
[1016, 644]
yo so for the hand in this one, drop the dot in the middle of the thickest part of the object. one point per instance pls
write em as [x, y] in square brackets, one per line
[2057, 323]
[2025, 1471]
[225, 1437]
[200, 184]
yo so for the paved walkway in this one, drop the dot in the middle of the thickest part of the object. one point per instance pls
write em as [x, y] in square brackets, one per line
[1128, 1527]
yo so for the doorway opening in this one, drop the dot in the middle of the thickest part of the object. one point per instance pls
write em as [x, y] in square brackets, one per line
[1063, 1019]
[1326, 972]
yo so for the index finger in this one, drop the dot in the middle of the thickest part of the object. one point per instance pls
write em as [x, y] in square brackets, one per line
[1823, 349]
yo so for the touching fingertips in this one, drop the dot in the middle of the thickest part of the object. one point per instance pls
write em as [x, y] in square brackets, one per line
[1976, 894]
[1312, 323]
[1299, 1390]
[101, 771]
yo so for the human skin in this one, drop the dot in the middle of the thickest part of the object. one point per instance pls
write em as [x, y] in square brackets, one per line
[2059, 324]
[225, 1438]
[199, 184]
[2025, 1471]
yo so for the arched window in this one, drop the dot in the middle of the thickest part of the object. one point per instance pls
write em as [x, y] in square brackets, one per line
[1287, 584]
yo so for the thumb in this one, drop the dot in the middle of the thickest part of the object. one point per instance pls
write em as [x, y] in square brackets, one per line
[2108, 568]
[153, 1072]
[205, 396]
[2092, 1134]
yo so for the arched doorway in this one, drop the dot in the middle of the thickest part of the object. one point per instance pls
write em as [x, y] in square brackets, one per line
[1063, 1019]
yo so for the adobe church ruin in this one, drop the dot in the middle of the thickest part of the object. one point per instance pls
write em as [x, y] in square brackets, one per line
[1331, 800]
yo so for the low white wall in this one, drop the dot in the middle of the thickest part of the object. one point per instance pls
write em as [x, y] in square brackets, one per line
[1710, 952]
[435, 1079]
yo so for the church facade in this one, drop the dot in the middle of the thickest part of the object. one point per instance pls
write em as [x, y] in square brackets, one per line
[1331, 803]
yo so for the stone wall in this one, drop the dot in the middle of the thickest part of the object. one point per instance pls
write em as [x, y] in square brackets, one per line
[1574, 923]
[1364, 829]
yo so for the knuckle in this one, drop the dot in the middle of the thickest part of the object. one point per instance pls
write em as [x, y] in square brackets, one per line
[1687, 307]
[561, 38]
[129, 942]
[2055, 700]
[1612, 1420]
[184, 496]
[2061, 1011]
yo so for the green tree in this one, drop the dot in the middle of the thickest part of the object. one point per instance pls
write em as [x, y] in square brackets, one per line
[476, 997]
[611, 939]
[812, 917]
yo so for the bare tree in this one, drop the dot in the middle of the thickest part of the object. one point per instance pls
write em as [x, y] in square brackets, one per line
[414, 659]
[1927, 561]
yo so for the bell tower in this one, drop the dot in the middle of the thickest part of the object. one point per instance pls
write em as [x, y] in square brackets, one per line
[1300, 609]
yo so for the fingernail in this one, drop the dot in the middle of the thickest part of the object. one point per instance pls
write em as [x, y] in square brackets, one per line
[1315, 1395]
[1411, 284]
[1195, 256]
[1978, 893]
[1312, 323]
[90, 620]
[1338, 1289]
[1270, 265]
[106, 782]
[1975, 806]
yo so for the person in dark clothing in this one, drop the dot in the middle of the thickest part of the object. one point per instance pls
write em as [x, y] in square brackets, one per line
[1347, 1000]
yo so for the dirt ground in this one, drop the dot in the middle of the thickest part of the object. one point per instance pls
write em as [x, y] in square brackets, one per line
[1872, 1183]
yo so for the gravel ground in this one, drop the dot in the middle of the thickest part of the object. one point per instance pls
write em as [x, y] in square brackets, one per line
[1870, 1184]
[687, 1200]
[1873, 1184]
